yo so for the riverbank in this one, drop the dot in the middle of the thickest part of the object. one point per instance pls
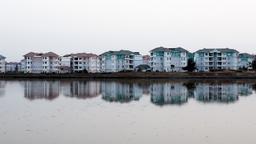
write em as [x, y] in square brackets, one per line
[138, 75]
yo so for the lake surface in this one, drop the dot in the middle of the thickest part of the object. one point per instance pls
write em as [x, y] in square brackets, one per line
[121, 111]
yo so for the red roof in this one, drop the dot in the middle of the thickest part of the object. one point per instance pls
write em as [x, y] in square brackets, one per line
[50, 54]
[31, 54]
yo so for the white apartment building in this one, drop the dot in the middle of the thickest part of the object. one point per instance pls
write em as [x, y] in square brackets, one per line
[65, 63]
[41, 63]
[2, 64]
[168, 59]
[12, 67]
[51, 63]
[85, 61]
[123, 60]
[216, 59]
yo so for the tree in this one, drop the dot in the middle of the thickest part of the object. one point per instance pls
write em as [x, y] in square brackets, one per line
[254, 64]
[191, 66]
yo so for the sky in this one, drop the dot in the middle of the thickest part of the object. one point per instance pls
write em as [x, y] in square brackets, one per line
[70, 26]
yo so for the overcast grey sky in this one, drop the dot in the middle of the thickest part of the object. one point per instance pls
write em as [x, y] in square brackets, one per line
[65, 26]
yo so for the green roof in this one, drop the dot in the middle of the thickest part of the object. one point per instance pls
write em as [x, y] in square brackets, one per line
[121, 52]
[163, 49]
[246, 55]
[2, 57]
[206, 50]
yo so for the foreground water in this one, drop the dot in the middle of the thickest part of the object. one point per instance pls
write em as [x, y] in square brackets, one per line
[117, 112]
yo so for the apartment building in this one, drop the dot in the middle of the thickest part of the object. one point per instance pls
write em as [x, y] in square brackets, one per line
[51, 63]
[146, 60]
[209, 59]
[168, 59]
[123, 60]
[12, 67]
[85, 61]
[245, 61]
[2, 64]
[65, 63]
[41, 63]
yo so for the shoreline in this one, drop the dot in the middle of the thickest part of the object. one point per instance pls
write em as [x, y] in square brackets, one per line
[138, 75]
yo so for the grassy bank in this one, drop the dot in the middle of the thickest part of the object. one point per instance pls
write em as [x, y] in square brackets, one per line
[138, 75]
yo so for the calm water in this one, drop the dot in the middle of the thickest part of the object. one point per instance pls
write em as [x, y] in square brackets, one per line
[117, 112]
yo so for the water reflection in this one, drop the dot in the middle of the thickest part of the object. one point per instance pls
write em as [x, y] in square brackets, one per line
[169, 93]
[245, 89]
[41, 89]
[217, 92]
[161, 92]
[81, 89]
[121, 92]
[2, 88]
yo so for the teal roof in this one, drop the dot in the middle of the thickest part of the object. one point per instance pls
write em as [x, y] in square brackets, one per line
[121, 52]
[205, 50]
[246, 55]
[163, 49]
[2, 57]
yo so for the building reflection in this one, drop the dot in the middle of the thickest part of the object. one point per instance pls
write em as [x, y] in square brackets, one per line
[216, 92]
[81, 89]
[2, 88]
[121, 92]
[179, 92]
[41, 89]
[245, 89]
[161, 92]
[168, 93]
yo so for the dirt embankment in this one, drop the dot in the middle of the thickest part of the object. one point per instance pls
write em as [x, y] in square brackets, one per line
[139, 75]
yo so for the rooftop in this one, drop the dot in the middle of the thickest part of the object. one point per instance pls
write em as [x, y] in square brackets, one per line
[50, 54]
[2, 57]
[122, 52]
[246, 55]
[218, 49]
[83, 55]
[180, 49]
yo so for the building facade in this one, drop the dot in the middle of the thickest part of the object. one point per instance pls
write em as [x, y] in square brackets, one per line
[123, 60]
[85, 61]
[65, 64]
[245, 61]
[12, 67]
[2, 64]
[168, 59]
[41, 63]
[51, 63]
[216, 59]
[146, 60]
